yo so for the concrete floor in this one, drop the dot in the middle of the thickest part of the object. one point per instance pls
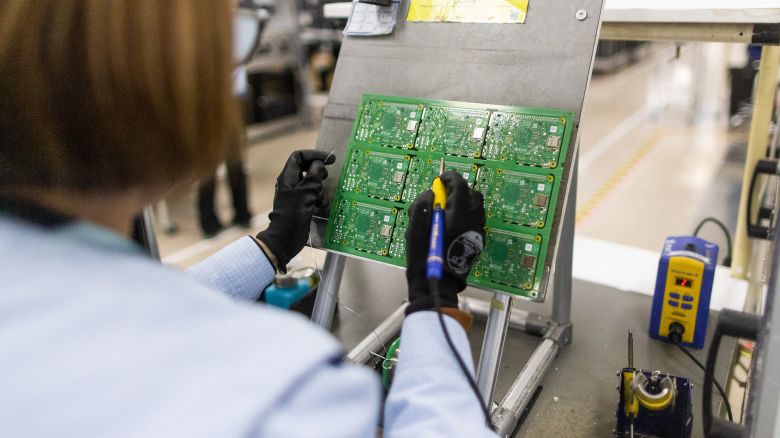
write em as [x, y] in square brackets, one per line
[656, 155]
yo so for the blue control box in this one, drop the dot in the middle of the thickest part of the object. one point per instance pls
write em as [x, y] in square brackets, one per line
[683, 288]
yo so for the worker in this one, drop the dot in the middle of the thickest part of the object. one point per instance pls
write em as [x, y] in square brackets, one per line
[104, 107]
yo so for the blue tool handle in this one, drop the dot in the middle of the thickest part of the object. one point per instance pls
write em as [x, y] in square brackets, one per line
[435, 262]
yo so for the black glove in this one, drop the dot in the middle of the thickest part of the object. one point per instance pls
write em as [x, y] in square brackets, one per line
[295, 199]
[464, 223]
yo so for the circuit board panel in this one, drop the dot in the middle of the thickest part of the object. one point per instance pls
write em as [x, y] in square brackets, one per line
[509, 259]
[513, 155]
[389, 124]
[364, 226]
[454, 131]
[528, 139]
[515, 197]
[424, 169]
[376, 174]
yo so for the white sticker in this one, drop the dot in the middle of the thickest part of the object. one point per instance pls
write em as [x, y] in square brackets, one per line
[387, 218]
[540, 187]
[479, 132]
[466, 175]
[399, 166]
[529, 247]
[553, 129]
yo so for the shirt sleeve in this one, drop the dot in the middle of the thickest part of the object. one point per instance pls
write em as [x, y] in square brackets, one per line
[240, 270]
[430, 396]
[341, 400]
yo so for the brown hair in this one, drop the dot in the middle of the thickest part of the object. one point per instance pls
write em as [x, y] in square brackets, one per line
[101, 95]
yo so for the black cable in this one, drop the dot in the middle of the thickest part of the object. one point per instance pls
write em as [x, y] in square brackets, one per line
[727, 260]
[434, 285]
[717, 385]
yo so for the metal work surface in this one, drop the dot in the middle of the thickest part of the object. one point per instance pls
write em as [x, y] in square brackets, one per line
[582, 379]
[544, 63]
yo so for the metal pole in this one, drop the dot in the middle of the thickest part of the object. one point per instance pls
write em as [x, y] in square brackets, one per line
[519, 319]
[301, 70]
[675, 32]
[328, 291]
[757, 142]
[381, 336]
[561, 298]
[507, 414]
[493, 346]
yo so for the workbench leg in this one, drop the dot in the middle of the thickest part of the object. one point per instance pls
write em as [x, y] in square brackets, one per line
[756, 149]
[493, 346]
[328, 291]
[562, 277]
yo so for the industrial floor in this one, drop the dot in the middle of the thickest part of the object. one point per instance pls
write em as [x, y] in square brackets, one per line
[657, 155]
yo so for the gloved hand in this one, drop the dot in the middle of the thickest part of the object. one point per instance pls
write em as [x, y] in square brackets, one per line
[464, 223]
[298, 191]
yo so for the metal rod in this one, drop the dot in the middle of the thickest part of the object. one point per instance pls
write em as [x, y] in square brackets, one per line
[382, 335]
[562, 275]
[756, 149]
[630, 349]
[674, 32]
[328, 291]
[519, 319]
[507, 414]
[493, 346]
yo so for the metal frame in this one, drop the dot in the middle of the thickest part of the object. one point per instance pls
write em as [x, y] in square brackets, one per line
[429, 53]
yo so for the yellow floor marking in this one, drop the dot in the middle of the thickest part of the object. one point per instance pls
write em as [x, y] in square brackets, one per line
[620, 173]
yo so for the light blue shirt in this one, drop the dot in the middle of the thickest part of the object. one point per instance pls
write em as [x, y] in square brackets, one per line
[97, 340]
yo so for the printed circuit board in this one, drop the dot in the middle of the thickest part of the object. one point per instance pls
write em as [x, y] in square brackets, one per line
[515, 156]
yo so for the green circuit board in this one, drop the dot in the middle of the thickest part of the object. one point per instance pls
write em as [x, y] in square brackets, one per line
[424, 169]
[376, 174]
[528, 139]
[389, 124]
[509, 259]
[515, 156]
[516, 197]
[363, 226]
[452, 130]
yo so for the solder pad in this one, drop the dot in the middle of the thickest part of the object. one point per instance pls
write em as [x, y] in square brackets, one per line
[514, 156]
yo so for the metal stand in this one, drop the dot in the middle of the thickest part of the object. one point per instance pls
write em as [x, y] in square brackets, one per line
[559, 329]
[328, 291]
[549, 68]
[493, 346]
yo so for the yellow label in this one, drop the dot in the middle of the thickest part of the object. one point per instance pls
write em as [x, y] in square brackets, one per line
[468, 11]
[681, 295]
[630, 402]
